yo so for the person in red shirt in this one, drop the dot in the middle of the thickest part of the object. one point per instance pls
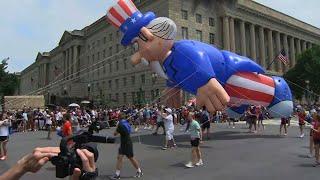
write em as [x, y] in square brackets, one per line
[316, 139]
[302, 117]
[67, 127]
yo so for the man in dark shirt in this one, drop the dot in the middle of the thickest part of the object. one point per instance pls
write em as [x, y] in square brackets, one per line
[126, 147]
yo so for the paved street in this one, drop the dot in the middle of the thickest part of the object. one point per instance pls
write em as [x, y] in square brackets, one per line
[230, 154]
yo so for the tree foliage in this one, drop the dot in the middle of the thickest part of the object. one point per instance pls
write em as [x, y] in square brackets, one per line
[8, 81]
[306, 69]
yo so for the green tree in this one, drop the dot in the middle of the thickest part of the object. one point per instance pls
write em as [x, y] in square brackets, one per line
[306, 69]
[8, 81]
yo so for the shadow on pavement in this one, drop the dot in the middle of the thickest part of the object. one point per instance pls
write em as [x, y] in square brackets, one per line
[151, 140]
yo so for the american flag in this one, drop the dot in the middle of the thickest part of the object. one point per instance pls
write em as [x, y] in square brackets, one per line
[283, 57]
[250, 88]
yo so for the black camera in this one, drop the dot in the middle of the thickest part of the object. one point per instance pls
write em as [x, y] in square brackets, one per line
[68, 159]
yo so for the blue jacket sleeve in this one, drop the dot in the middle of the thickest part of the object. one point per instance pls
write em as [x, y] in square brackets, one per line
[189, 67]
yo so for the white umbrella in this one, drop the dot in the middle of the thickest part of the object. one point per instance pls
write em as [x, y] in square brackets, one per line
[85, 102]
[74, 105]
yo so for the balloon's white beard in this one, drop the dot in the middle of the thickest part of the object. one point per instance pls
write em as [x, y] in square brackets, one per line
[155, 67]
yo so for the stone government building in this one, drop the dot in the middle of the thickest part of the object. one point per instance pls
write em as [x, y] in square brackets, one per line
[91, 63]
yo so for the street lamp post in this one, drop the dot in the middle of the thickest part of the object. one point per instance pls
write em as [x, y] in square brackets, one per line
[89, 89]
[307, 92]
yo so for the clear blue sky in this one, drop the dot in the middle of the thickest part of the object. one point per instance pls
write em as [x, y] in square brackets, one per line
[31, 26]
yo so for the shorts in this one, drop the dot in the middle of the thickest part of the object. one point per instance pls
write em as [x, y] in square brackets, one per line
[195, 142]
[316, 141]
[284, 122]
[126, 150]
[4, 138]
[206, 125]
[169, 134]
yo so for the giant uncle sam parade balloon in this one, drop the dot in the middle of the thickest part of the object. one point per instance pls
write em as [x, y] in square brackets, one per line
[218, 78]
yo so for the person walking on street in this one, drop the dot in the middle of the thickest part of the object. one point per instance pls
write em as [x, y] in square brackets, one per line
[126, 147]
[196, 138]
[169, 126]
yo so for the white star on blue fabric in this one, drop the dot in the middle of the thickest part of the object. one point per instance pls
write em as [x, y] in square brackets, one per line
[133, 20]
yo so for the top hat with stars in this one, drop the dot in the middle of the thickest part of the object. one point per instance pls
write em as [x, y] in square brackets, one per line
[129, 19]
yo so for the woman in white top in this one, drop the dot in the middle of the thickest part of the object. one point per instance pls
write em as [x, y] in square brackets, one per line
[4, 136]
[169, 126]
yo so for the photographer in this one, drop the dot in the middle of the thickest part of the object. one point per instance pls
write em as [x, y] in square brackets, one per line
[40, 156]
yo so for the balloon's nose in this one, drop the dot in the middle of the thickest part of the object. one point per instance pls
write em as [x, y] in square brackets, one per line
[281, 109]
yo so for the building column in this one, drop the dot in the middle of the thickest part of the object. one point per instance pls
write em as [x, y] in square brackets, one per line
[270, 49]
[309, 46]
[262, 47]
[243, 38]
[65, 64]
[286, 49]
[226, 33]
[292, 52]
[304, 46]
[278, 49]
[232, 35]
[253, 43]
[75, 59]
[298, 46]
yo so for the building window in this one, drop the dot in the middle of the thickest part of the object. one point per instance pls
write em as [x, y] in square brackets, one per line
[104, 40]
[133, 95]
[125, 64]
[124, 98]
[117, 83]
[152, 95]
[117, 66]
[98, 68]
[117, 97]
[104, 68]
[98, 43]
[198, 18]
[110, 67]
[157, 93]
[104, 53]
[88, 47]
[199, 35]
[133, 80]
[110, 51]
[124, 82]
[98, 56]
[118, 33]
[184, 14]
[110, 97]
[143, 79]
[110, 84]
[211, 21]
[93, 58]
[117, 48]
[93, 44]
[110, 37]
[184, 31]
[211, 38]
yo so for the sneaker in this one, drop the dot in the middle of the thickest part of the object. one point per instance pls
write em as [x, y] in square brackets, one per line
[316, 164]
[285, 134]
[164, 148]
[189, 165]
[302, 135]
[200, 163]
[115, 176]
[3, 158]
[138, 175]
[310, 156]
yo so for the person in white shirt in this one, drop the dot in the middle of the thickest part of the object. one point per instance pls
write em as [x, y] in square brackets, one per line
[24, 120]
[49, 124]
[4, 136]
[169, 126]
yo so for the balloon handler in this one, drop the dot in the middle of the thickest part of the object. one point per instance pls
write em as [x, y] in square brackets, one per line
[218, 78]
